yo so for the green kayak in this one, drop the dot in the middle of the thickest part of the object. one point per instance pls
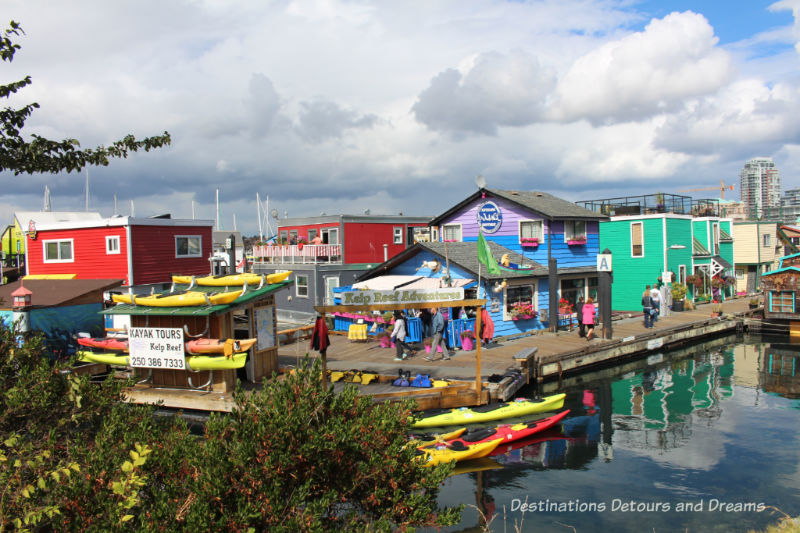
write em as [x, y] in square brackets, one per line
[489, 412]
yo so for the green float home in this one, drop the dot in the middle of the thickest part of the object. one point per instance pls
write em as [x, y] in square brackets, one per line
[653, 234]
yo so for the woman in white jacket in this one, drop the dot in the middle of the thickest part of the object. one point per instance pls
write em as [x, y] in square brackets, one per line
[399, 336]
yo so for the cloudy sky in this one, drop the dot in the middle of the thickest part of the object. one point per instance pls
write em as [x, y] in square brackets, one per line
[340, 106]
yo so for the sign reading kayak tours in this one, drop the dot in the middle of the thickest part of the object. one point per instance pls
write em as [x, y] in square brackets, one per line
[400, 296]
[156, 348]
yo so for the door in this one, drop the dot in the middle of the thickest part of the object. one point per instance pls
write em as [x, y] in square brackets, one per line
[331, 283]
[752, 276]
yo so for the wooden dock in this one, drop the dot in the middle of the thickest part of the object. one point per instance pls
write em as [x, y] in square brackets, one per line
[509, 364]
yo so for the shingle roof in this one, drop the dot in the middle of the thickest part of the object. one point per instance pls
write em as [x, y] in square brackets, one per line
[539, 202]
[57, 292]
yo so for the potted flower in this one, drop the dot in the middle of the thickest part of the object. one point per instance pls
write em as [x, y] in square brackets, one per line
[716, 309]
[427, 344]
[564, 307]
[529, 241]
[754, 303]
[385, 339]
[522, 311]
[467, 339]
[678, 296]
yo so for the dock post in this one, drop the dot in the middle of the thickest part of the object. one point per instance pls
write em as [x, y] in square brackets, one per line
[605, 279]
[478, 355]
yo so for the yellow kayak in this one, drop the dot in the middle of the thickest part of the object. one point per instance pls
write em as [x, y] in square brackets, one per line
[233, 279]
[435, 454]
[490, 412]
[218, 362]
[425, 439]
[106, 358]
[182, 299]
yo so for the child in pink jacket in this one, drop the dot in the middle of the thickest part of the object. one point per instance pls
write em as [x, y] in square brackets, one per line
[588, 312]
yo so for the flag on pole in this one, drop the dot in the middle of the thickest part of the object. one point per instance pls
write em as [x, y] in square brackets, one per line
[485, 256]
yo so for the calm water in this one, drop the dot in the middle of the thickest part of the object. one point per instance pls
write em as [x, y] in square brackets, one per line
[696, 439]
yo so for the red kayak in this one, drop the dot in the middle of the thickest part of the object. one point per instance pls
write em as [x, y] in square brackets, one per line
[545, 436]
[105, 343]
[509, 432]
[223, 346]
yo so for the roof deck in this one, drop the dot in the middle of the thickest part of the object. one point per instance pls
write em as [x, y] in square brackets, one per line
[298, 254]
[651, 204]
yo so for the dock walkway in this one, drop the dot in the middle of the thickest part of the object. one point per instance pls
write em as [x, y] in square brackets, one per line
[550, 355]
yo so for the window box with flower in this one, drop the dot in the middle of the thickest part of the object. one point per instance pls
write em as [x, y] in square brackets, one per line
[529, 241]
[576, 241]
[523, 311]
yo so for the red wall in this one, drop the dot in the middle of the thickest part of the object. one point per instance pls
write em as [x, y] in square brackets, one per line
[363, 243]
[153, 249]
[90, 260]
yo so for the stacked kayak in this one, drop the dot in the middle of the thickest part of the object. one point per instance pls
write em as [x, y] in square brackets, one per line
[509, 432]
[116, 344]
[106, 358]
[232, 279]
[180, 299]
[218, 346]
[490, 412]
[193, 362]
[424, 439]
[435, 454]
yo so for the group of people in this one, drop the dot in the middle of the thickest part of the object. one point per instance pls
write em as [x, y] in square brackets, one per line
[651, 305]
[433, 325]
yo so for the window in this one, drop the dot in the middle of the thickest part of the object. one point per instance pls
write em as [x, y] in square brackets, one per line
[58, 251]
[637, 240]
[575, 230]
[112, 244]
[398, 235]
[739, 274]
[781, 301]
[682, 274]
[518, 294]
[451, 233]
[766, 239]
[301, 286]
[571, 289]
[330, 236]
[283, 237]
[311, 234]
[530, 229]
[293, 236]
[188, 246]
[715, 236]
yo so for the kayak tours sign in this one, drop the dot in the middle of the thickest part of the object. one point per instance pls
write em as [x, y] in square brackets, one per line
[401, 296]
[156, 348]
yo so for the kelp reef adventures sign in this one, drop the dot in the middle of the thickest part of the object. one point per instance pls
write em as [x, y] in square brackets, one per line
[400, 296]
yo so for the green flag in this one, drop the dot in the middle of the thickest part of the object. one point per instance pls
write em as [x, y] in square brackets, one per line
[485, 256]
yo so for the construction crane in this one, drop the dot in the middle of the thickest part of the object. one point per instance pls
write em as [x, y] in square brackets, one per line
[722, 188]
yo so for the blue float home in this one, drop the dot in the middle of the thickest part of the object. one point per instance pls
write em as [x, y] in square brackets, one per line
[780, 292]
[523, 228]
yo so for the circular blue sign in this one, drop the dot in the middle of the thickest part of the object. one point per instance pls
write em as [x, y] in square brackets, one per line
[490, 218]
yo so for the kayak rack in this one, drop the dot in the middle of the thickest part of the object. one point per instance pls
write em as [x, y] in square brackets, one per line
[204, 386]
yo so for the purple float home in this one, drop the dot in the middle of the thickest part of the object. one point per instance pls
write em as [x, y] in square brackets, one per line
[525, 228]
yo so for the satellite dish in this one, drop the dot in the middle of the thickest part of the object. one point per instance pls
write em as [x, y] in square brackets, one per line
[367, 211]
[274, 214]
[480, 181]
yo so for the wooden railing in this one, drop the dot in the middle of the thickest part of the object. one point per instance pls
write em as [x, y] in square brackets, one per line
[298, 253]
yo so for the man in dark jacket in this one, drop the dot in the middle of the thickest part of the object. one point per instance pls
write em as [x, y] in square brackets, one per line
[437, 330]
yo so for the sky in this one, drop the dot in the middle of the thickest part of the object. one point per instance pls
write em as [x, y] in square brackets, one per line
[336, 107]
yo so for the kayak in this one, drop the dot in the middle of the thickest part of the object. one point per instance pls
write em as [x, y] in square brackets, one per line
[233, 279]
[424, 439]
[435, 454]
[476, 465]
[113, 358]
[548, 435]
[215, 362]
[104, 343]
[180, 299]
[489, 412]
[509, 432]
[219, 346]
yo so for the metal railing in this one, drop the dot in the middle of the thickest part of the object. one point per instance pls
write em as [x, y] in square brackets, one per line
[298, 253]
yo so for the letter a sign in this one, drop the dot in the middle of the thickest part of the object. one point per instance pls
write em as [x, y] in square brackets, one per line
[604, 262]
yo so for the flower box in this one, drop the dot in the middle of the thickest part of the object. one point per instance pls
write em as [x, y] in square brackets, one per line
[529, 242]
[576, 242]
[523, 317]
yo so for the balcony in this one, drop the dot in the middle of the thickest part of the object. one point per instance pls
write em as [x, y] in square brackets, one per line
[298, 254]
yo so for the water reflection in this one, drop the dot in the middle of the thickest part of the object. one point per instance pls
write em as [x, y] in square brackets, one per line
[685, 425]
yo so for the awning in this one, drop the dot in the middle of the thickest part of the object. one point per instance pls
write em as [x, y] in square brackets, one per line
[435, 283]
[385, 283]
[723, 263]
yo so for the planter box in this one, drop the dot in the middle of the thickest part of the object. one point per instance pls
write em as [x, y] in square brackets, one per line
[523, 317]
[677, 306]
[576, 242]
[531, 242]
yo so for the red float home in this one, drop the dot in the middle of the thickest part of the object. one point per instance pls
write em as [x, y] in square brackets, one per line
[141, 251]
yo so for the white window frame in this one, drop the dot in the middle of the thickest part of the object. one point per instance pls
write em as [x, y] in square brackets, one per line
[534, 295]
[574, 236]
[715, 237]
[534, 222]
[189, 255]
[765, 239]
[58, 248]
[641, 225]
[457, 227]
[298, 285]
[112, 244]
[682, 274]
[397, 234]
[311, 235]
[328, 232]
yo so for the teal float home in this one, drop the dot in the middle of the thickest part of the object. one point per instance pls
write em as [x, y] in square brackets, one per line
[653, 234]
[780, 292]
[526, 231]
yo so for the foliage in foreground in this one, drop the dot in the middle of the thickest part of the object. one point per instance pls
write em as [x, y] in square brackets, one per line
[293, 456]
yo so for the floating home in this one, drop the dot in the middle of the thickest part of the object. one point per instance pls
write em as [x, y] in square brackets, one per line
[330, 251]
[652, 234]
[141, 251]
[780, 292]
[757, 251]
[525, 228]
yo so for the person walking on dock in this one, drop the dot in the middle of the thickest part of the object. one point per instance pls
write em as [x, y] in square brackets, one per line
[586, 316]
[399, 337]
[655, 299]
[647, 307]
[437, 328]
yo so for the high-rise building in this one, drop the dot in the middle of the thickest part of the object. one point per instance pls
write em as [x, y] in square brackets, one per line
[760, 186]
